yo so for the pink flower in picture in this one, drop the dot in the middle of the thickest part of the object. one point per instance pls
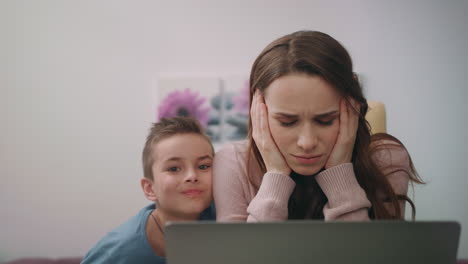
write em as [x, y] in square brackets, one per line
[184, 103]
[241, 101]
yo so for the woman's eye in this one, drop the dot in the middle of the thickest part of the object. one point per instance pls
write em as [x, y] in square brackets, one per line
[204, 167]
[173, 169]
[326, 123]
[288, 124]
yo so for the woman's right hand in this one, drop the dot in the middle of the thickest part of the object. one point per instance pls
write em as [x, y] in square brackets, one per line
[272, 157]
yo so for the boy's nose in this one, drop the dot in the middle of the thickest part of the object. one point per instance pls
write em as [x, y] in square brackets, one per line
[191, 176]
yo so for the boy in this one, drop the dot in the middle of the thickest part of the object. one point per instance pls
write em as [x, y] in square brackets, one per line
[177, 160]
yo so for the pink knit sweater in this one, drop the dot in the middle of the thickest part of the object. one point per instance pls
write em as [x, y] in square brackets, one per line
[236, 198]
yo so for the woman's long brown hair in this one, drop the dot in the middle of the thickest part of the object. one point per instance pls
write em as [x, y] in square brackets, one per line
[317, 54]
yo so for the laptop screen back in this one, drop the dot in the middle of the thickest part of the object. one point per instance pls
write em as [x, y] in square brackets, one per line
[312, 242]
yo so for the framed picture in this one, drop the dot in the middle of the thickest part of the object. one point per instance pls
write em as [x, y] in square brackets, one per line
[221, 105]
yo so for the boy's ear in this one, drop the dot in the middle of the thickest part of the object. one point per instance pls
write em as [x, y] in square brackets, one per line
[147, 187]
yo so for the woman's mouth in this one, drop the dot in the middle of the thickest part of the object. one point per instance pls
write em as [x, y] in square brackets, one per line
[307, 159]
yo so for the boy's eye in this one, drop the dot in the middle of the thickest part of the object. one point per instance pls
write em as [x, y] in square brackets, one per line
[288, 124]
[204, 167]
[173, 169]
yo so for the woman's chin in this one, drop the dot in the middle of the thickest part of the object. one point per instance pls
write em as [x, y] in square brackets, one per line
[306, 171]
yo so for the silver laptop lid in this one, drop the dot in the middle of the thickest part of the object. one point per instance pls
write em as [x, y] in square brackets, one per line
[374, 242]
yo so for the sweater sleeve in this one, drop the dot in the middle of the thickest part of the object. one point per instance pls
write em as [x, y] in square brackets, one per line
[231, 187]
[346, 198]
[347, 201]
[271, 201]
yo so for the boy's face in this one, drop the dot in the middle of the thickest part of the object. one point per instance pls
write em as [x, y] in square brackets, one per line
[182, 175]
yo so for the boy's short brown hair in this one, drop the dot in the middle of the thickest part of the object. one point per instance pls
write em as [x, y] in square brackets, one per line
[163, 129]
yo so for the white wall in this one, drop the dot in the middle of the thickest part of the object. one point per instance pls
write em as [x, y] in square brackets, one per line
[76, 82]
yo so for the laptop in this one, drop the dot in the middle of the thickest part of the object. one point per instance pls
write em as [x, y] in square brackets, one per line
[377, 242]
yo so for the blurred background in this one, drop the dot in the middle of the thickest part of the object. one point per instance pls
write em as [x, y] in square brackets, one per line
[77, 97]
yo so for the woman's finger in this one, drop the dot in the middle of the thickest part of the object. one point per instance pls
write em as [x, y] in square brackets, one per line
[354, 115]
[344, 116]
[263, 116]
[258, 117]
[354, 107]
[253, 115]
[262, 124]
[266, 125]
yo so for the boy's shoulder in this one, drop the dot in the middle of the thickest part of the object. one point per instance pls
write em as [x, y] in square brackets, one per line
[125, 244]
[209, 213]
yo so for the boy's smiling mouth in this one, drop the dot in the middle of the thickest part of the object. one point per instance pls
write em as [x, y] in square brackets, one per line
[192, 192]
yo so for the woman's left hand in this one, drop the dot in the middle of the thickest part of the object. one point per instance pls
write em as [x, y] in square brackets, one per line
[343, 150]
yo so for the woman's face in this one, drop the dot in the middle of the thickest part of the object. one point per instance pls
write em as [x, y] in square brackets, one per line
[303, 114]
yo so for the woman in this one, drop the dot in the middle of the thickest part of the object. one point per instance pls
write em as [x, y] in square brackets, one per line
[309, 153]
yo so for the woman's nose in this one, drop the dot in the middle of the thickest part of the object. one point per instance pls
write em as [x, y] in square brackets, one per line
[307, 140]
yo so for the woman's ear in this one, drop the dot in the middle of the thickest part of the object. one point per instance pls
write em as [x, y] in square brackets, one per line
[147, 187]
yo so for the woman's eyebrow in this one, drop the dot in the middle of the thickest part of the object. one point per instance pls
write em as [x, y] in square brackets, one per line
[319, 116]
[285, 115]
[328, 114]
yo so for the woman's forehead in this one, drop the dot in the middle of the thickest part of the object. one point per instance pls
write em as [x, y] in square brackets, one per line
[298, 93]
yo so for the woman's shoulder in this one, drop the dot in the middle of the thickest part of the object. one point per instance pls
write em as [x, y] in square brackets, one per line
[388, 151]
[391, 156]
[235, 146]
[233, 150]
[233, 162]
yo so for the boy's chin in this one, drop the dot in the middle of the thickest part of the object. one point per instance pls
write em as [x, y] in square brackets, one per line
[195, 208]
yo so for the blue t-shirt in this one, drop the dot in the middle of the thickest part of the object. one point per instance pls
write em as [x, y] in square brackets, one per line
[128, 244]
